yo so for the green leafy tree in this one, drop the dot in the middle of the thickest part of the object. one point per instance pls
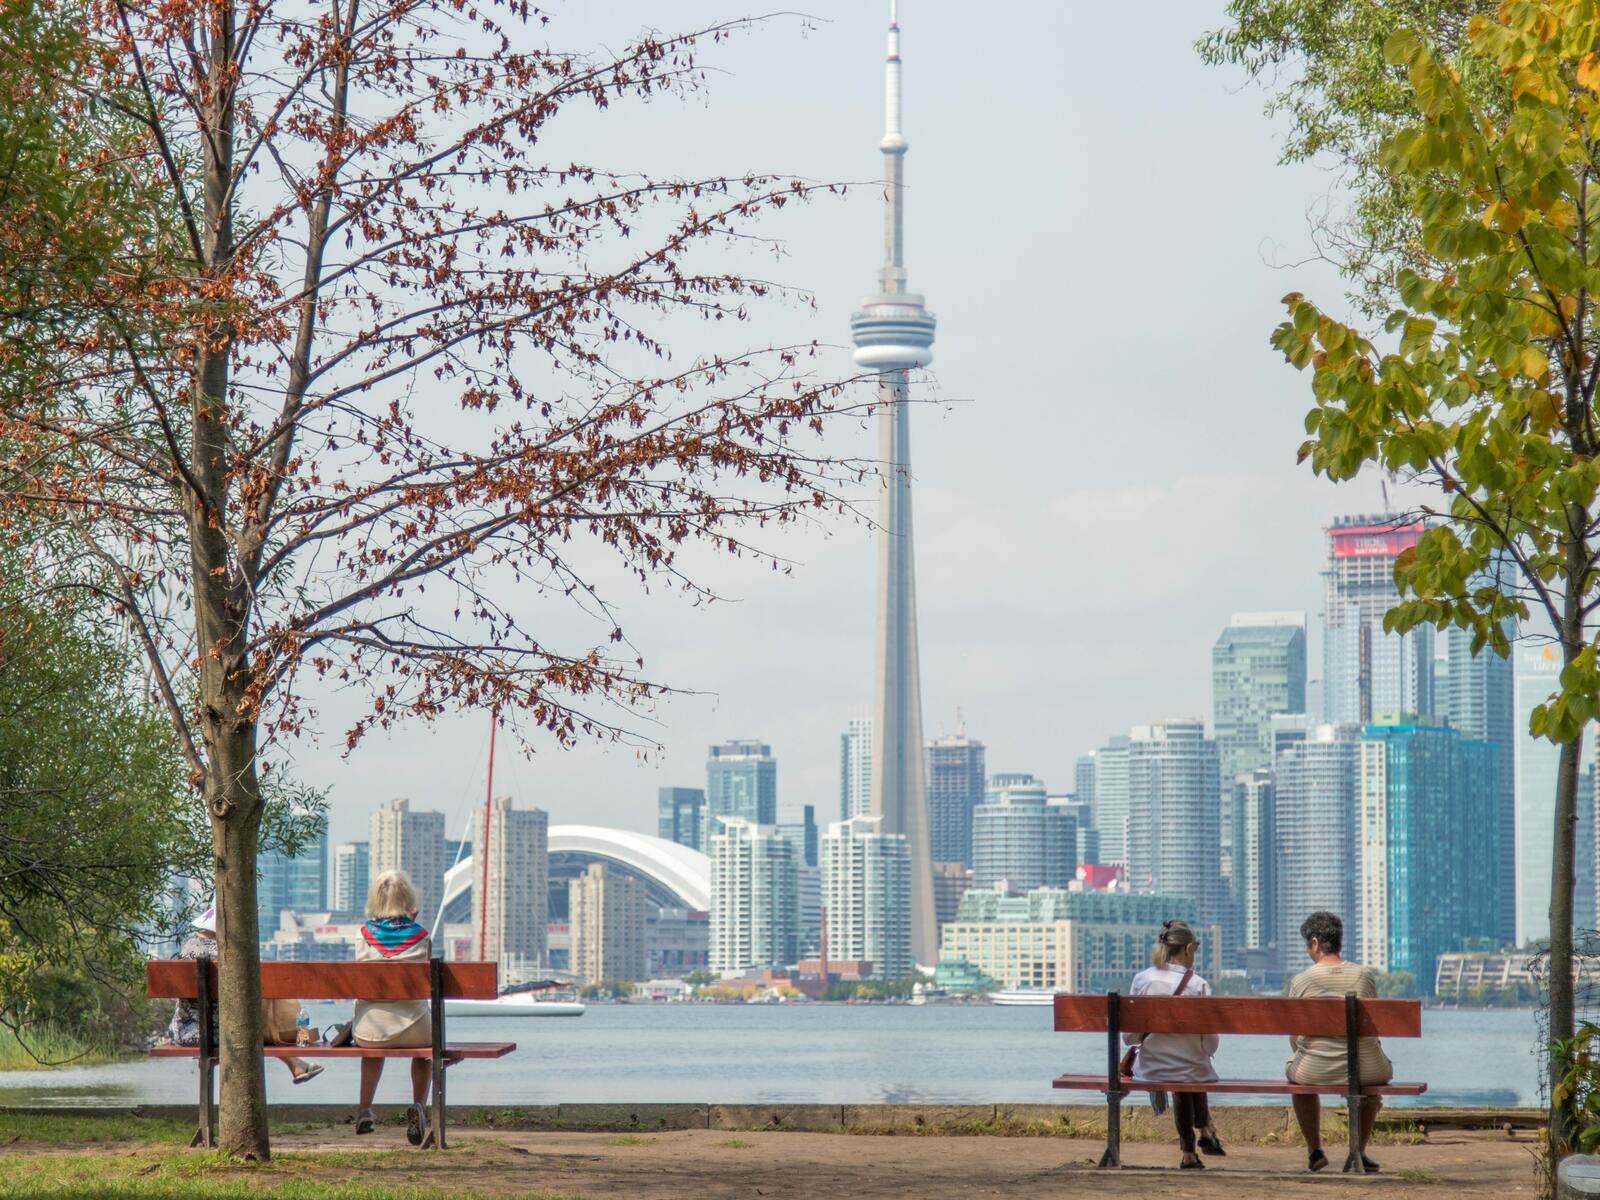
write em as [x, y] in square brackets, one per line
[1485, 384]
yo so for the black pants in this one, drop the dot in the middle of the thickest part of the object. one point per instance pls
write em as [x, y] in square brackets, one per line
[1189, 1113]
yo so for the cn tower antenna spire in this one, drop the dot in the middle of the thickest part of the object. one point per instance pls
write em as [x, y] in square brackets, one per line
[893, 335]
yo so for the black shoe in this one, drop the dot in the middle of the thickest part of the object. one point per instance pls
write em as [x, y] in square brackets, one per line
[1316, 1160]
[1191, 1165]
[1367, 1165]
[1211, 1144]
[364, 1121]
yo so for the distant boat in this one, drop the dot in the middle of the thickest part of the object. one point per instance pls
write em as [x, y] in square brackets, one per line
[514, 1004]
[1023, 996]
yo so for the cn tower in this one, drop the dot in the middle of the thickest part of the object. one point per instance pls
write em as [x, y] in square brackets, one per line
[893, 333]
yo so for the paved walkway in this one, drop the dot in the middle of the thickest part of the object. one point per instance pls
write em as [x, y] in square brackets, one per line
[721, 1166]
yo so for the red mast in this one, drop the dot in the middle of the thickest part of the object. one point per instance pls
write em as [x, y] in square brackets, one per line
[483, 850]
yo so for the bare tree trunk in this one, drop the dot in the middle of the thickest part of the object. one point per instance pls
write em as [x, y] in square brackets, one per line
[242, 1129]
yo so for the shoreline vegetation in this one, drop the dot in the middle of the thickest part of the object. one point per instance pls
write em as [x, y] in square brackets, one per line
[46, 1048]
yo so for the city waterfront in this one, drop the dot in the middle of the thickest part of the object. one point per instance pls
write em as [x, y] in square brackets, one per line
[839, 1054]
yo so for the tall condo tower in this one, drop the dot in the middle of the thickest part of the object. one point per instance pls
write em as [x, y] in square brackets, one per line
[893, 334]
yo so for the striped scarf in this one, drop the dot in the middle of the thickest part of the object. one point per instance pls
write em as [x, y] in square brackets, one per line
[390, 936]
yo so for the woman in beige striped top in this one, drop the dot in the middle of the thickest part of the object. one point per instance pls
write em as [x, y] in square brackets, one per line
[1322, 1060]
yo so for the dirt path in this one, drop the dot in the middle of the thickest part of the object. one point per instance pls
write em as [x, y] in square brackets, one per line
[708, 1165]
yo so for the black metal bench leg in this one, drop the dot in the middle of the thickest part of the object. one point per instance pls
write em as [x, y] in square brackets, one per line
[203, 1135]
[435, 1137]
[1353, 1162]
[1114, 1093]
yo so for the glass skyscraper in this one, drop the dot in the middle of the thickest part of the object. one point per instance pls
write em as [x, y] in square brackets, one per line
[1367, 673]
[742, 782]
[955, 788]
[1314, 791]
[1481, 704]
[299, 884]
[1255, 877]
[855, 768]
[1110, 799]
[1427, 846]
[1258, 668]
[681, 816]
[351, 876]
[1174, 839]
[1020, 841]
[803, 834]
[1537, 674]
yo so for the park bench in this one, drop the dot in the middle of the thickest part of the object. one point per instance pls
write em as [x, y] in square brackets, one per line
[1319, 1016]
[433, 980]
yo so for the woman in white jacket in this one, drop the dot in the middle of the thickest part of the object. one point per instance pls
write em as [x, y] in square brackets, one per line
[391, 933]
[1178, 1058]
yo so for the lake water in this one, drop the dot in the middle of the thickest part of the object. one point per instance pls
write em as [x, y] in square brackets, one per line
[827, 1054]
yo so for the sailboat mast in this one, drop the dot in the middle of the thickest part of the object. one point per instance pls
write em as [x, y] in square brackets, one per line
[483, 850]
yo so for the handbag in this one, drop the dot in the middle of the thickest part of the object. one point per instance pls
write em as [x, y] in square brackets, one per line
[1125, 1068]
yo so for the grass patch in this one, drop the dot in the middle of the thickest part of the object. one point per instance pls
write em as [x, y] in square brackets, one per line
[1415, 1175]
[630, 1139]
[74, 1130]
[735, 1144]
[44, 1047]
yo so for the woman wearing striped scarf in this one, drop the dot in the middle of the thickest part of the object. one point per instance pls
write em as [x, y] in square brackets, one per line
[391, 933]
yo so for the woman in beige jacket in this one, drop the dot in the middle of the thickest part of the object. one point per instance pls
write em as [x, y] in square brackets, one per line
[391, 933]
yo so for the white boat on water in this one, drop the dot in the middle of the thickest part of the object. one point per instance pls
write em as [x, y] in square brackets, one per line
[514, 1004]
[1023, 996]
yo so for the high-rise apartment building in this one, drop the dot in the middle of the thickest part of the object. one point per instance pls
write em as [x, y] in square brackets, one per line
[1110, 798]
[681, 816]
[1258, 668]
[606, 913]
[951, 881]
[1087, 844]
[1365, 671]
[1020, 841]
[351, 875]
[808, 910]
[754, 904]
[1174, 836]
[1255, 879]
[1537, 674]
[511, 931]
[855, 768]
[955, 788]
[741, 782]
[803, 833]
[1481, 704]
[866, 890]
[399, 839]
[298, 884]
[1427, 846]
[1314, 807]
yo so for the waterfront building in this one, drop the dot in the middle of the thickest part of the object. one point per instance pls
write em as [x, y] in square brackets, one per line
[855, 767]
[1314, 805]
[681, 816]
[606, 914]
[803, 833]
[1019, 840]
[754, 902]
[1426, 845]
[1365, 671]
[951, 881]
[955, 788]
[676, 941]
[1174, 838]
[1110, 799]
[741, 782]
[1082, 941]
[1536, 676]
[866, 890]
[351, 875]
[314, 936]
[893, 335]
[399, 839]
[298, 884]
[511, 930]
[1481, 704]
[1255, 879]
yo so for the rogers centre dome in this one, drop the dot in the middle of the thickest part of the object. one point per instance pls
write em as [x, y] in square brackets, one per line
[675, 876]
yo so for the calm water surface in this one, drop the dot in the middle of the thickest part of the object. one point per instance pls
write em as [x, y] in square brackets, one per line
[829, 1054]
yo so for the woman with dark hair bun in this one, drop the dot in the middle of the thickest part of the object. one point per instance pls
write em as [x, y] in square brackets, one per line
[1322, 1061]
[1177, 1058]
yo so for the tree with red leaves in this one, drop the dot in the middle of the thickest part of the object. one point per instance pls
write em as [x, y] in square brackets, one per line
[396, 371]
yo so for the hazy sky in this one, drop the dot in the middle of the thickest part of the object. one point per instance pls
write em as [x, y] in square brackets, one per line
[1102, 228]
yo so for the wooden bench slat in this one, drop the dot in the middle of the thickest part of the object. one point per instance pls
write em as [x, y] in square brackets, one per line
[1317, 1016]
[456, 1050]
[174, 979]
[1264, 1087]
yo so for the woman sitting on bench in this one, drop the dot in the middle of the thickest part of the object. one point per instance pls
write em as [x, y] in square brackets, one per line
[392, 933]
[1322, 1060]
[1177, 1058]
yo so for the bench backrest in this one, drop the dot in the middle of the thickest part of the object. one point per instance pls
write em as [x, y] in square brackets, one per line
[177, 979]
[1320, 1016]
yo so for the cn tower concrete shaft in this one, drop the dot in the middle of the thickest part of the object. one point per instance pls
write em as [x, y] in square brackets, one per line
[893, 334]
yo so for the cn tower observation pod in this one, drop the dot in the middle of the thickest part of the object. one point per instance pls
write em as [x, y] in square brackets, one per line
[893, 332]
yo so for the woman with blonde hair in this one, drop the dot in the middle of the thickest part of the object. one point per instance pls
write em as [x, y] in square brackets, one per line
[1177, 1058]
[391, 933]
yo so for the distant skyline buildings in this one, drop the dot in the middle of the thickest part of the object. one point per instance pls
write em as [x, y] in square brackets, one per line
[511, 892]
[1480, 701]
[956, 781]
[1258, 669]
[741, 782]
[1174, 840]
[299, 884]
[1314, 802]
[403, 839]
[1019, 840]
[1537, 675]
[1367, 673]
[855, 767]
[606, 914]
[754, 898]
[1111, 809]
[681, 816]
[351, 877]
[866, 892]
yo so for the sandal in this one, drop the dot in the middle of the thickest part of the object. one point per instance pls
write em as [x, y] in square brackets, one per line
[365, 1121]
[310, 1072]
